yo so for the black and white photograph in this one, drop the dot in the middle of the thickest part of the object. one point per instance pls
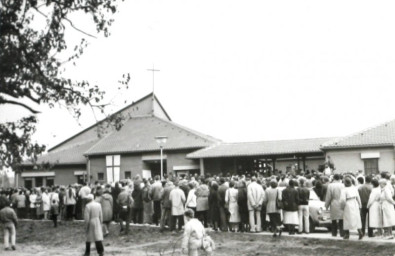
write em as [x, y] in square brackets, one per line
[197, 127]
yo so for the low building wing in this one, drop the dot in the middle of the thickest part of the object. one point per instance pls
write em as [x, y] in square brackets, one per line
[71, 155]
[381, 135]
[280, 147]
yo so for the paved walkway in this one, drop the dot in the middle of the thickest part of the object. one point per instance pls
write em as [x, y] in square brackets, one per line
[328, 236]
[321, 233]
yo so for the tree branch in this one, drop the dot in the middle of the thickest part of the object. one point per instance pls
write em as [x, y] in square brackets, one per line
[63, 17]
[23, 94]
[40, 12]
[32, 98]
[4, 101]
[83, 32]
[24, 12]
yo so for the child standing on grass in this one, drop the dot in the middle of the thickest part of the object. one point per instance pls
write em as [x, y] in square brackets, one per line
[55, 212]
[195, 237]
[10, 222]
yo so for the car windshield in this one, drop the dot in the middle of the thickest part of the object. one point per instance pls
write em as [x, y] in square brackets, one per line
[313, 195]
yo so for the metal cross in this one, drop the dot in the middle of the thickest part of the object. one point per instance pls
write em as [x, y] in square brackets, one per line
[153, 77]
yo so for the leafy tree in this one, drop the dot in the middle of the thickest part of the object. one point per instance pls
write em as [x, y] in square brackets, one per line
[33, 56]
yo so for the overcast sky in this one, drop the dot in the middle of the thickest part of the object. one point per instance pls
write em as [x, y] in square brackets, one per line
[246, 70]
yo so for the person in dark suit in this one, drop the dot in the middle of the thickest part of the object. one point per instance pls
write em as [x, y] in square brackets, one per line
[243, 206]
[213, 202]
[303, 207]
[290, 197]
[364, 193]
[224, 213]
[166, 206]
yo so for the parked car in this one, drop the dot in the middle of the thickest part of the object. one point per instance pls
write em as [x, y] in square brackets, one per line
[319, 216]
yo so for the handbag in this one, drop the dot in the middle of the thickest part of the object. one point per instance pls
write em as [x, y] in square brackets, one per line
[279, 203]
[208, 244]
[126, 208]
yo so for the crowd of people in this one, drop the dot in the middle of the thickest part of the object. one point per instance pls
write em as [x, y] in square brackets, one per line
[226, 203]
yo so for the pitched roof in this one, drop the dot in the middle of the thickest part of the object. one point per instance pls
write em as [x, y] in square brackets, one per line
[260, 148]
[381, 135]
[133, 104]
[72, 155]
[138, 135]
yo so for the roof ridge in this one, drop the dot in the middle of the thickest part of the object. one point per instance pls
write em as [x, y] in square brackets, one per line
[282, 140]
[98, 122]
[190, 131]
[204, 149]
[160, 105]
[85, 153]
[140, 116]
[340, 139]
[75, 145]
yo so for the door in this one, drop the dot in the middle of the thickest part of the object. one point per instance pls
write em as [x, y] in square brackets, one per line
[39, 182]
[50, 182]
[371, 166]
[28, 183]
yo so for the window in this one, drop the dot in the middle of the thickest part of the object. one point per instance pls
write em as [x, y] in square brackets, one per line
[371, 166]
[80, 179]
[39, 181]
[50, 182]
[100, 176]
[128, 175]
[113, 163]
[28, 183]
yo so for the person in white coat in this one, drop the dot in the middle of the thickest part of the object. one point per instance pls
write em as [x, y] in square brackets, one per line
[32, 199]
[93, 222]
[231, 200]
[332, 202]
[46, 203]
[351, 203]
[177, 199]
[387, 207]
[191, 199]
[374, 206]
[256, 197]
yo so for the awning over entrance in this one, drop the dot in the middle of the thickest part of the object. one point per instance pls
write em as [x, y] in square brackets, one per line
[79, 173]
[37, 174]
[186, 167]
[155, 157]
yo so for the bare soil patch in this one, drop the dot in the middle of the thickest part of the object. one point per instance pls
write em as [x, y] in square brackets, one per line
[40, 238]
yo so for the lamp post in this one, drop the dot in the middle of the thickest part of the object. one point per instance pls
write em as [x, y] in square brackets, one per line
[161, 140]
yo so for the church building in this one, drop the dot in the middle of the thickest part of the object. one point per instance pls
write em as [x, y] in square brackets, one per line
[105, 154]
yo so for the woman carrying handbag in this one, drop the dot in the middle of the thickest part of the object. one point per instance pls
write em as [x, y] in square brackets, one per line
[273, 200]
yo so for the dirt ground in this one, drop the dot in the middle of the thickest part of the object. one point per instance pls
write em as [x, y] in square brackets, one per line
[40, 238]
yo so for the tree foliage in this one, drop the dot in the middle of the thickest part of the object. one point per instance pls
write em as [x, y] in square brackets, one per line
[32, 64]
[16, 140]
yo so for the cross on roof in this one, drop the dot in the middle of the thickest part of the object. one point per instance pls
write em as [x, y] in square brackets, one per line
[153, 77]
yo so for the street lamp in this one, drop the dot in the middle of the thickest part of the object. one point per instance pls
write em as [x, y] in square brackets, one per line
[161, 140]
